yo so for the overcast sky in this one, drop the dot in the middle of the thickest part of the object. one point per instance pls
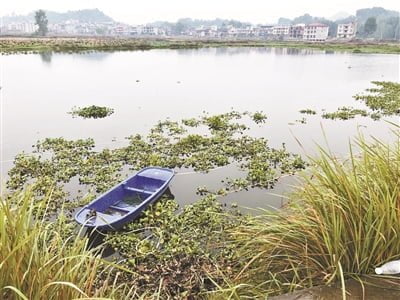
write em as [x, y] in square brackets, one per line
[255, 11]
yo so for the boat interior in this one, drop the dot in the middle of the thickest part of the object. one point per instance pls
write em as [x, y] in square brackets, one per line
[121, 200]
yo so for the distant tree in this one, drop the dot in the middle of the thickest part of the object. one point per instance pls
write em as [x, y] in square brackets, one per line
[180, 28]
[284, 21]
[370, 25]
[304, 19]
[41, 21]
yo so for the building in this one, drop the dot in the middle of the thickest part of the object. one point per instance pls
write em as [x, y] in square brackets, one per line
[347, 31]
[148, 30]
[297, 31]
[20, 28]
[264, 30]
[281, 30]
[316, 32]
[205, 31]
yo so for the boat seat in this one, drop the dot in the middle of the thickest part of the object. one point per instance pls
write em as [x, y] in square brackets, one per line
[137, 190]
[119, 208]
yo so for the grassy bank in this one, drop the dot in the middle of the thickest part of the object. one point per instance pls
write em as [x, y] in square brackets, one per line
[342, 222]
[19, 44]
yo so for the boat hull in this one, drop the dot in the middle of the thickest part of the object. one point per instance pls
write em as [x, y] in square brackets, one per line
[126, 201]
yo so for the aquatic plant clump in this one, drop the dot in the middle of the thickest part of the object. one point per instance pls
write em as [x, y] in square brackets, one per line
[308, 111]
[174, 251]
[259, 117]
[93, 112]
[169, 144]
[383, 99]
[345, 113]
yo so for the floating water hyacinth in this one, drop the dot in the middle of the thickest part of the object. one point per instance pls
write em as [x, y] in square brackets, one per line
[383, 99]
[93, 112]
[308, 112]
[169, 144]
[345, 113]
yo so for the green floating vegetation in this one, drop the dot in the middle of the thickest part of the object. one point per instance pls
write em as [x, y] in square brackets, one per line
[384, 99]
[345, 113]
[341, 223]
[92, 112]
[56, 161]
[259, 117]
[302, 121]
[179, 254]
[308, 111]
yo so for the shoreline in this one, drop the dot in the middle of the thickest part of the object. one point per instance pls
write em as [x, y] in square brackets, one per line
[14, 45]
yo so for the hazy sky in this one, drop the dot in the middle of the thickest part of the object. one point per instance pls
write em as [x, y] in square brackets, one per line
[256, 11]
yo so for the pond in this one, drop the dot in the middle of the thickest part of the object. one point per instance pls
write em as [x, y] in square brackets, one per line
[38, 91]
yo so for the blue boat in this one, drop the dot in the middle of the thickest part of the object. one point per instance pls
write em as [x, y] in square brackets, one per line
[125, 202]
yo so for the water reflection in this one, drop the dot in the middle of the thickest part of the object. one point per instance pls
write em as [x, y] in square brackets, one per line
[279, 82]
[46, 56]
[232, 51]
[94, 55]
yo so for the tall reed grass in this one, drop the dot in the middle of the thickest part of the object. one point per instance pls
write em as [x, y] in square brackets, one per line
[343, 220]
[40, 259]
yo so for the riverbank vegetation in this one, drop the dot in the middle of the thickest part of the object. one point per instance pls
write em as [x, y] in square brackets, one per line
[340, 223]
[25, 45]
[41, 259]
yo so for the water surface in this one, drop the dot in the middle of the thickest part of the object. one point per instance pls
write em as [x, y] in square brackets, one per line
[146, 86]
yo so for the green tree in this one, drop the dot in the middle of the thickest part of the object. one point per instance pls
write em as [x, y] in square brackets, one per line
[370, 25]
[41, 21]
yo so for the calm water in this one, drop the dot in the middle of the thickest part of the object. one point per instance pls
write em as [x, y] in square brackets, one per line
[38, 91]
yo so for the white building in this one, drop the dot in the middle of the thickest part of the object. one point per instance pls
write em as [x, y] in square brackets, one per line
[316, 32]
[21, 27]
[347, 31]
[281, 30]
[264, 30]
[296, 32]
[149, 30]
[205, 31]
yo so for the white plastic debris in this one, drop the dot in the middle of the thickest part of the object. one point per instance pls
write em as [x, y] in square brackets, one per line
[391, 267]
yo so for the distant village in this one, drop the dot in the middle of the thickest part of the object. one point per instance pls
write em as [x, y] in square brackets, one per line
[317, 32]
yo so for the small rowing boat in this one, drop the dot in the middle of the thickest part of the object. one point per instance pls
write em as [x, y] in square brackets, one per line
[127, 200]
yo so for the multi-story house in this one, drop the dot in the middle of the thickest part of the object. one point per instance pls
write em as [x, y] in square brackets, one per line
[149, 30]
[297, 31]
[347, 31]
[316, 32]
[281, 30]
[264, 30]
